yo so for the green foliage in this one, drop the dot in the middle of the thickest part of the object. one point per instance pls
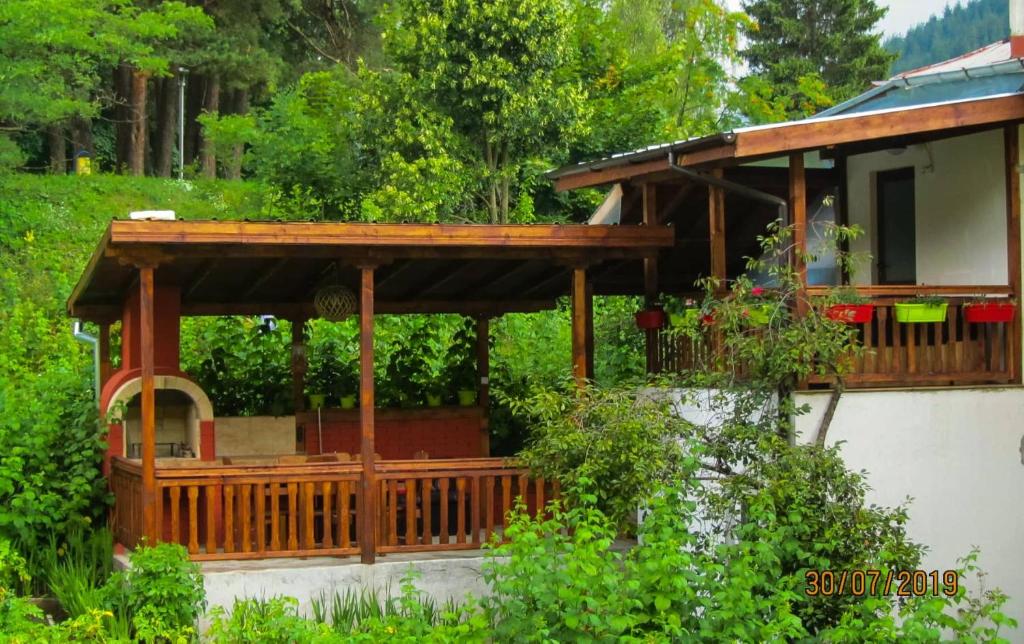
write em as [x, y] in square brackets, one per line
[962, 27]
[812, 53]
[558, 578]
[77, 567]
[628, 440]
[13, 567]
[242, 364]
[161, 593]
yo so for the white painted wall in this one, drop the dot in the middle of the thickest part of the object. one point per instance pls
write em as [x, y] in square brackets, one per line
[960, 207]
[957, 453]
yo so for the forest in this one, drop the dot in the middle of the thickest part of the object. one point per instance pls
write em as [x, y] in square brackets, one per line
[960, 28]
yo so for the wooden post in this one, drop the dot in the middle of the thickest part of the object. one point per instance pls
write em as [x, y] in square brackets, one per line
[650, 218]
[483, 368]
[106, 368]
[1011, 148]
[579, 326]
[150, 520]
[590, 332]
[842, 210]
[716, 228]
[798, 217]
[367, 537]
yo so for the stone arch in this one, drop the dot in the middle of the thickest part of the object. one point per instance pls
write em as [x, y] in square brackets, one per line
[133, 387]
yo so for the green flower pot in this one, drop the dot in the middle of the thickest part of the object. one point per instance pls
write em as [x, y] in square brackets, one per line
[467, 397]
[433, 400]
[347, 402]
[316, 401]
[918, 313]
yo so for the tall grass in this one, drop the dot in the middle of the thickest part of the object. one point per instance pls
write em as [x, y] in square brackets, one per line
[77, 568]
[346, 611]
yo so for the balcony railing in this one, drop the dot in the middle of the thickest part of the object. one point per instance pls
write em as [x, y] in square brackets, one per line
[952, 352]
[314, 509]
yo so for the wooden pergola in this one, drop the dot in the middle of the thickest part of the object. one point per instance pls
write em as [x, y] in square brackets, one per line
[247, 268]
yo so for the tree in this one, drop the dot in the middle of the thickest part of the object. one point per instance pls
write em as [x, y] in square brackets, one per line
[793, 42]
[499, 70]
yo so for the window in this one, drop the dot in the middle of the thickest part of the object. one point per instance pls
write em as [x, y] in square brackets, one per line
[897, 238]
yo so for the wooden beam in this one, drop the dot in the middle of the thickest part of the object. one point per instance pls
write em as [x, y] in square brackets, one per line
[666, 210]
[579, 326]
[588, 178]
[483, 368]
[796, 136]
[1011, 150]
[250, 234]
[205, 270]
[556, 276]
[150, 520]
[798, 218]
[368, 520]
[716, 229]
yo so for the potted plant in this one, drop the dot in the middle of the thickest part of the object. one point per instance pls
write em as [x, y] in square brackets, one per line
[461, 373]
[651, 318]
[922, 309]
[433, 351]
[850, 307]
[318, 380]
[346, 384]
[759, 313]
[986, 310]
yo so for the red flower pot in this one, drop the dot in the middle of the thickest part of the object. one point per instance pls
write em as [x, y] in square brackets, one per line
[990, 312]
[850, 313]
[650, 319]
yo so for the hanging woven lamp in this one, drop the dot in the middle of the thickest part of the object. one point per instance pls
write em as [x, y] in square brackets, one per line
[334, 301]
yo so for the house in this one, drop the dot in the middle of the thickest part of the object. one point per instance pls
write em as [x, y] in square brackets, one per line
[928, 165]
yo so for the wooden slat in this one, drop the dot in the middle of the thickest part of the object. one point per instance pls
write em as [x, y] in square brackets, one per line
[410, 512]
[260, 517]
[474, 508]
[193, 519]
[344, 520]
[308, 514]
[293, 519]
[392, 505]
[275, 516]
[175, 515]
[489, 507]
[460, 510]
[427, 485]
[506, 498]
[327, 541]
[211, 519]
[229, 518]
[245, 523]
[539, 491]
[443, 528]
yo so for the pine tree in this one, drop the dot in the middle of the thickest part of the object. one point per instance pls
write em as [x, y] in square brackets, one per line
[835, 41]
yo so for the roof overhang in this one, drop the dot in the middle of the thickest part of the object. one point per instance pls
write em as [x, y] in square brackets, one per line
[241, 268]
[778, 139]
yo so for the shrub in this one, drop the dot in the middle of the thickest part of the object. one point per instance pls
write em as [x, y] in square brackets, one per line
[160, 595]
[77, 569]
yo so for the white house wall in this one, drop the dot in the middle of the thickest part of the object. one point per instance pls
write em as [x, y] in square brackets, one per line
[960, 207]
[957, 452]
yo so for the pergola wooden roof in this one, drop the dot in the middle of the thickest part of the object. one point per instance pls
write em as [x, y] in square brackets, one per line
[226, 268]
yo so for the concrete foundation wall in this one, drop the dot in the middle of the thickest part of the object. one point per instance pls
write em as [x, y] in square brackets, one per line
[255, 436]
[957, 453]
[443, 576]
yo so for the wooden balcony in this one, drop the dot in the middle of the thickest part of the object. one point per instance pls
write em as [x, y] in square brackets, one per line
[952, 352]
[314, 509]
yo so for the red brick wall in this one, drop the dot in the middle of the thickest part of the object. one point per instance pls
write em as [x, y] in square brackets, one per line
[399, 434]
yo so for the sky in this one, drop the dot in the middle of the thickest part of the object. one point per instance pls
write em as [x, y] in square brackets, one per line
[904, 14]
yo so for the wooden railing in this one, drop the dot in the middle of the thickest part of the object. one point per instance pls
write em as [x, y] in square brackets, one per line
[451, 504]
[256, 511]
[276, 510]
[897, 354]
[126, 487]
